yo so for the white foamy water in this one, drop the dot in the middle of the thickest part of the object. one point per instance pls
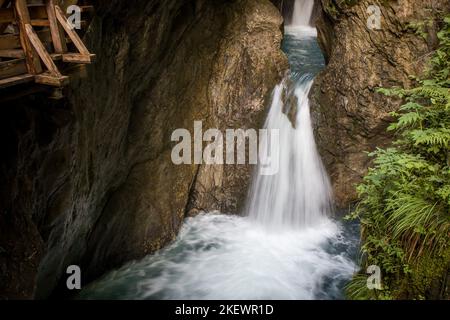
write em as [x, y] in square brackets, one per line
[301, 16]
[301, 31]
[300, 194]
[229, 257]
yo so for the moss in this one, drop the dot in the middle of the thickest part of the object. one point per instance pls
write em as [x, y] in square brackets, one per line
[426, 280]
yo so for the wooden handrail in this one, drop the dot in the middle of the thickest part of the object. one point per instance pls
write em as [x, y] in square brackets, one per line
[42, 52]
[32, 57]
[59, 41]
[70, 32]
[23, 18]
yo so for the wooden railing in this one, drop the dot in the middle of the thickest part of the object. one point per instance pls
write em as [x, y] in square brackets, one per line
[35, 39]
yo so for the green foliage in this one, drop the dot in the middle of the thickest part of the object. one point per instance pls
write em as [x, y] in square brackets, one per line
[404, 205]
[420, 27]
[334, 7]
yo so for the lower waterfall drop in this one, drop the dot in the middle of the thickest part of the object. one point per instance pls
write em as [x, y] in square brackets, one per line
[299, 195]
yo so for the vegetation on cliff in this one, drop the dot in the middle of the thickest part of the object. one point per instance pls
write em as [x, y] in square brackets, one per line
[404, 203]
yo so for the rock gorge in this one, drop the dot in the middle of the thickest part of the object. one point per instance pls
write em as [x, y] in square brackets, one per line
[88, 180]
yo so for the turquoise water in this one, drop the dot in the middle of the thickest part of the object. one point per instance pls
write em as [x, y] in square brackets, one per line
[303, 51]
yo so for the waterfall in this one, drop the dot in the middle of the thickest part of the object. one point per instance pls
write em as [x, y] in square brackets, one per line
[299, 194]
[285, 247]
[301, 15]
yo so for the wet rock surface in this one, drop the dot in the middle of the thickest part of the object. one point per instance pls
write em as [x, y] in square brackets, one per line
[350, 116]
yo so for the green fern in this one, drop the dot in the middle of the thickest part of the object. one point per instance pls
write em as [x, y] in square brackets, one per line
[404, 206]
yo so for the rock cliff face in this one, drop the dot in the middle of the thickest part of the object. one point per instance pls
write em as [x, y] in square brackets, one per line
[350, 116]
[89, 180]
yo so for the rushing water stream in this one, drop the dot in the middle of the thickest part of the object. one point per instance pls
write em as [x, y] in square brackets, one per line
[286, 247]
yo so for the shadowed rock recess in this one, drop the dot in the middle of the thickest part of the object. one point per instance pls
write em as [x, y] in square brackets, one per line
[350, 116]
[89, 180]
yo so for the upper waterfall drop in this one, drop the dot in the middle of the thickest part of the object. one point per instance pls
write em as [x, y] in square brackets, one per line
[301, 16]
[299, 195]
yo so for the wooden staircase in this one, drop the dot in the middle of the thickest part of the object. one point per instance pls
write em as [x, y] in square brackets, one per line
[37, 42]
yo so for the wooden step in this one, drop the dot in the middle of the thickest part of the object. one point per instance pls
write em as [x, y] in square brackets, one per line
[48, 79]
[12, 81]
[27, 18]
[12, 53]
[12, 41]
[9, 41]
[12, 68]
[78, 58]
[40, 23]
[6, 15]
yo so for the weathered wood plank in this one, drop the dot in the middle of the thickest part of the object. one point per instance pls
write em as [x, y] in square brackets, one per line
[12, 81]
[51, 80]
[78, 58]
[31, 56]
[40, 23]
[70, 32]
[9, 41]
[59, 41]
[12, 41]
[6, 15]
[42, 52]
[13, 53]
[12, 68]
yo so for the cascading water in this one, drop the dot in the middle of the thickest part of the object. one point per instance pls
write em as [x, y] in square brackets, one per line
[286, 248]
[301, 15]
[299, 194]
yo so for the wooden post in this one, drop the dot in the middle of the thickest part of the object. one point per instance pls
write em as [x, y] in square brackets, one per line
[40, 49]
[58, 38]
[70, 32]
[53, 77]
[31, 57]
